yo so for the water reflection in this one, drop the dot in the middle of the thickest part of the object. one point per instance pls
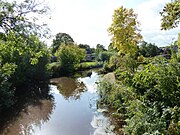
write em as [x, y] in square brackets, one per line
[102, 124]
[34, 108]
[90, 82]
[59, 112]
[33, 115]
[69, 87]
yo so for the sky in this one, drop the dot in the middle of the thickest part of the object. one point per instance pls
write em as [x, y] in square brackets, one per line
[87, 21]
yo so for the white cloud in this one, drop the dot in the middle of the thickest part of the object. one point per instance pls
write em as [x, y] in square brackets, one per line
[150, 19]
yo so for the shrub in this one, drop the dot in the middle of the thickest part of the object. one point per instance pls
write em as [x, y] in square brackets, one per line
[69, 56]
[148, 100]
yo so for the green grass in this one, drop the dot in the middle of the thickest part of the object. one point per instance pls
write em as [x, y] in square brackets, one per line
[89, 65]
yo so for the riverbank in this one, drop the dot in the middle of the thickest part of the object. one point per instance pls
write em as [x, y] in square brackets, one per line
[56, 70]
[147, 100]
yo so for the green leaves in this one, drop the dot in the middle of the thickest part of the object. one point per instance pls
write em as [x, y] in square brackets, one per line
[23, 57]
[170, 15]
[7, 69]
[60, 39]
[148, 99]
[69, 56]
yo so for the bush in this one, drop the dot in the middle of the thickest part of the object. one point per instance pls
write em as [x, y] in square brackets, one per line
[148, 100]
[104, 56]
[69, 56]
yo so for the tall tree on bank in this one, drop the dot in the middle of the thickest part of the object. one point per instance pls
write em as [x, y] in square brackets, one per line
[170, 15]
[124, 31]
[61, 38]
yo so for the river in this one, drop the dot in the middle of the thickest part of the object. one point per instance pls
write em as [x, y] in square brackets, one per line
[71, 110]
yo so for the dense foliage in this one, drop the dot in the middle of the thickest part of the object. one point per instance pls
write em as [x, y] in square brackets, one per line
[124, 30]
[23, 57]
[171, 15]
[69, 56]
[60, 39]
[25, 61]
[146, 95]
[148, 49]
[148, 100]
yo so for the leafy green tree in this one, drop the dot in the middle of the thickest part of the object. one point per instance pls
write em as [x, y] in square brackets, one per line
[124, 30]
[69, 56]
[170, 15]
[104, 56]
[21, 63]
[61, 38]
[148, 49]
[86, 47]
[99, 48]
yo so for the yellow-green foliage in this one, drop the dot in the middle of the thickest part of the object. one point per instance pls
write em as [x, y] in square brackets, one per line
[124, 30]
[140, 58]
[171, 15]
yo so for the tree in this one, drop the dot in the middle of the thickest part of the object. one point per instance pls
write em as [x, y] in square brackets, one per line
[22, 18]
[61, 38]
[148, 49]
[124, 31]
[21, 62]
[23, 57]
[30, 57]
[86, 47]
[104, 56]
[100, 48]
[177, 43]
[111, 48]
[170, 15]
[69, 56]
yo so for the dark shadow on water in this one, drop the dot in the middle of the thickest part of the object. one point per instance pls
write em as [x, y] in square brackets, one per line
[34, 105]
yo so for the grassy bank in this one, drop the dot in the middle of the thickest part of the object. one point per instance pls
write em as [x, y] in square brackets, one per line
[89, 65]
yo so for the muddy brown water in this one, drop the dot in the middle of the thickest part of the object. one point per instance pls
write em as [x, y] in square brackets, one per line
[72, 111]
